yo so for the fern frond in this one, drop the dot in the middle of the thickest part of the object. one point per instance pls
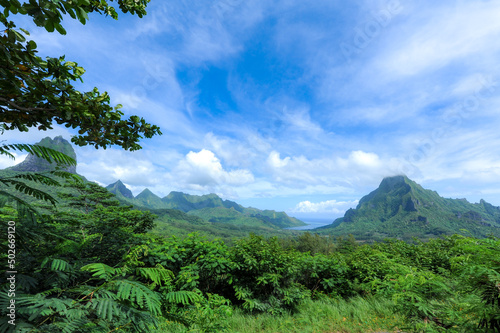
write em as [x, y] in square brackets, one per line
[66, 175]
[48, 154]
[4, 152]
[158, 274]
[22, 206]
[25, 282]
[73, 325]
[38, 178]
[138, 293]
[105, 308]
[182, 297]
[28, 190]
[58, 265]
[100, 270]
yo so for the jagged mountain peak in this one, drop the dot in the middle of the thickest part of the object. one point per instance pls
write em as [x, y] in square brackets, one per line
[119, 189]
[390, 183]
[33, 163]
[146, 192]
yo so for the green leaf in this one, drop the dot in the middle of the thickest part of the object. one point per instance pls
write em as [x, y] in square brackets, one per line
[60, 28]
[19, 37]
[101, 271]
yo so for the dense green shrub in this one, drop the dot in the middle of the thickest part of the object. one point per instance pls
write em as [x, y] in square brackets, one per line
[325, 275]
[264, 276]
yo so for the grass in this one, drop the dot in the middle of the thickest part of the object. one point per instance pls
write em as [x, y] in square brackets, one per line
[317, 316]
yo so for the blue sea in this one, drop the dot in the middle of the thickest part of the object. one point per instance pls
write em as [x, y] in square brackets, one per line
[313, 223]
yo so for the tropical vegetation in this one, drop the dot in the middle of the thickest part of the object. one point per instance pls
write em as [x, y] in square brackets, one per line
[79, 260]
[90, 264]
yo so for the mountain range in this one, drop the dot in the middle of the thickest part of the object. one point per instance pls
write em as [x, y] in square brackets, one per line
[398, 208]
[401, 208]
[209, 207]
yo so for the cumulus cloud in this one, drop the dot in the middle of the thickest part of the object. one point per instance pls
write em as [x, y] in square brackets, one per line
[358, 166]
[233, 152]
[204, 170]
[330, 206]
[107, 166]
[275, 161]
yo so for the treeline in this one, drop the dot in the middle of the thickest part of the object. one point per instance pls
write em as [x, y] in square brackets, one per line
[92, 266]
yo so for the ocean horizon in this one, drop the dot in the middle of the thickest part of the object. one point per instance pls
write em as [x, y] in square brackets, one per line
[313, 223]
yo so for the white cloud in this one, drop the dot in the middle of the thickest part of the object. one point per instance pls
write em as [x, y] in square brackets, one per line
[204, 170]
[368, 160]
[110, 165]
[442, 35]
[6, 161]
[330, 206]
[203, 31]
[356, 168]
[275, 161]
[300, 120]
[233, 152]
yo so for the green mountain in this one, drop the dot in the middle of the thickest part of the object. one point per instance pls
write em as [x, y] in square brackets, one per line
[148, 199]
[187, 202]
[208, 207]
[401, 208]
[120, 190]
[33, 163]
[177, 211]
[212, 208]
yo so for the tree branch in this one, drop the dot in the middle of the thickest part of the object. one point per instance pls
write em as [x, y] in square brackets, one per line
[21, 108]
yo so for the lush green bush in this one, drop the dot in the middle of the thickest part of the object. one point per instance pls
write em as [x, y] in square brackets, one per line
[92, 266]
[325, 275]
[264, 277]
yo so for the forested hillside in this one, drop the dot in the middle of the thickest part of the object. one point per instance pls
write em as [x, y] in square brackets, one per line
[93, 266]
[401, 208]
[264, 100]
[210, 207]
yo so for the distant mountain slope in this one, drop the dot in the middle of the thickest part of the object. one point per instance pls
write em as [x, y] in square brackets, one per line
[148, 199]
[399, 207]
[33, 163]
[209, 207]
[187, 202]
[120, 190]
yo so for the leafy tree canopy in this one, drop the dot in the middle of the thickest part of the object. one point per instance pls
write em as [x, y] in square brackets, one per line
[37, 92]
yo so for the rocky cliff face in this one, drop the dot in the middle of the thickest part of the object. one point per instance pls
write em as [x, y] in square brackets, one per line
[36, 164]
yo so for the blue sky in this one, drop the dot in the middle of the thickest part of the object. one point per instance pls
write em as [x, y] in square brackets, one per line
[293, 105]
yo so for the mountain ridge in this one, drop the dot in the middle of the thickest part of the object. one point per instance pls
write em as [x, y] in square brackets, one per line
[401, 208]
[211, 208]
